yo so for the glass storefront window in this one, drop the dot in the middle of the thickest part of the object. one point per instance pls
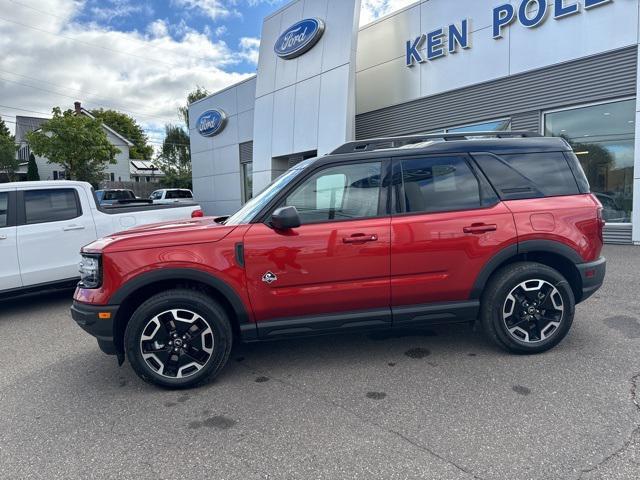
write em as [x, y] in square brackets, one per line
[503, 125]
[603, 138]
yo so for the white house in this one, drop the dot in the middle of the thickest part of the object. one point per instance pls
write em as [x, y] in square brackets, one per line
[119, 172]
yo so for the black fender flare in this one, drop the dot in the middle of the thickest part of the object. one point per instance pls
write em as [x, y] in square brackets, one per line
[247, 327]
[549, 246]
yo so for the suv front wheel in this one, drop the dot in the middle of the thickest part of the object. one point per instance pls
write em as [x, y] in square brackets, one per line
[178, 339]
[527, 307]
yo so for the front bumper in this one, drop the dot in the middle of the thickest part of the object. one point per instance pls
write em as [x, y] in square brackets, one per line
[592, 276]
[87, 316]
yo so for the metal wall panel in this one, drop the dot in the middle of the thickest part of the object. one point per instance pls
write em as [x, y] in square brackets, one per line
[595, 78]
[246, 152]
[618, 234]
[526, 121]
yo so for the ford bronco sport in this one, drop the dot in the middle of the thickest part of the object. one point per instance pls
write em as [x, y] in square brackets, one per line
[495, 229]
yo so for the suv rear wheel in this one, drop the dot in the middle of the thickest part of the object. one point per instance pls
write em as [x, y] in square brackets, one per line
[178, 339]
[527, 308]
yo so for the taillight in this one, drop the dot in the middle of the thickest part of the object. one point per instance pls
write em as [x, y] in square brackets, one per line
[197, 214]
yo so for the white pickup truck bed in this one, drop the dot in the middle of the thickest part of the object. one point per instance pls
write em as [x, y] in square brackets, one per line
[43, 225]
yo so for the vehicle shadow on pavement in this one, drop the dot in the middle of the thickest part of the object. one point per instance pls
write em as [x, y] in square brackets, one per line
[24, 304]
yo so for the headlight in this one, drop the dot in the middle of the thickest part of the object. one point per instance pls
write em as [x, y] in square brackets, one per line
[90, 271]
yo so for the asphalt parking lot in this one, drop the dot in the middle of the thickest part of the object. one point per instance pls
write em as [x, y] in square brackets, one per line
[438, 403]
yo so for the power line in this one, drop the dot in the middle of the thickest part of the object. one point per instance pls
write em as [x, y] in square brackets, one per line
[164, 120]
[120, 52]
[154, 142]
[141, 42]
[24, 110]
[113, 50]
[83, 92]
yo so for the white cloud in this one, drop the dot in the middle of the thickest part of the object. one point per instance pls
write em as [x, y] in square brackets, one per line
[249, 49]
[214, 9]
[217, 9]
[158, 28]
[221, 31]
[147, 74]
[374, 9]
[113, 9]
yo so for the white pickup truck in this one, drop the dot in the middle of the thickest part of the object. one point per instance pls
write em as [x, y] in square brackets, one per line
[43, 225]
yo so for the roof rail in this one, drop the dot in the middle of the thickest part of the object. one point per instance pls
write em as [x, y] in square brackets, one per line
[371, 145]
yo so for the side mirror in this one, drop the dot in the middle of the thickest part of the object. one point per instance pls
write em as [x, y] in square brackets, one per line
[285, 218]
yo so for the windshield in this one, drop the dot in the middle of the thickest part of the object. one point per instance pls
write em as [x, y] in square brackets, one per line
[253, 206]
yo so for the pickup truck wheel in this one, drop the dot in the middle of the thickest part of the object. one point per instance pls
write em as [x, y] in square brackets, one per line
[527, 307]
[178, 339]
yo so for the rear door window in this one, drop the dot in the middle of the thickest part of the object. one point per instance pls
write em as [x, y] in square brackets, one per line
[4, 209]
[54, 205]
[438, 184]
[529, 175]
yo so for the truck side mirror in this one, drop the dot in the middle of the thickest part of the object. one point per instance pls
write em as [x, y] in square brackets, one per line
[285, 218]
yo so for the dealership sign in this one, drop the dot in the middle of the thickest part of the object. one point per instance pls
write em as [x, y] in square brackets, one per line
[299, 38]
[211, 122]
[530, 14]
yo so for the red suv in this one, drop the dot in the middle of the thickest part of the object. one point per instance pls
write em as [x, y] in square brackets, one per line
[495, 229]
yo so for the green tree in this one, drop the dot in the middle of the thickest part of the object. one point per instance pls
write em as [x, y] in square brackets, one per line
[4, 130]
[197, 94]
[128, 128]
[175, 158]
[32, 169]
[8, 160]
[77, 143]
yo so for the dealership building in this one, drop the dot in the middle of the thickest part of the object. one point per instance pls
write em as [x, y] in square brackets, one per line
[564, 68]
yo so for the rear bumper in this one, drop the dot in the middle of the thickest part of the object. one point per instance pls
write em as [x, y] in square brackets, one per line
[592, 275]
[102, 328]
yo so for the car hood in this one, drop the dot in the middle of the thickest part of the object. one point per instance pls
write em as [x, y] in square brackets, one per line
[154, 235]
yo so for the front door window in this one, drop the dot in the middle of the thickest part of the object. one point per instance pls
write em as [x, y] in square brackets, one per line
[346, 192]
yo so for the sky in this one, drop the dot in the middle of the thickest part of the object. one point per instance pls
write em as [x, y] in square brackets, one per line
[141, 57]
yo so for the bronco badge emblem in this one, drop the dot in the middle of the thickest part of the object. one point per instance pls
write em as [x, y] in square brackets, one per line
[269, 278]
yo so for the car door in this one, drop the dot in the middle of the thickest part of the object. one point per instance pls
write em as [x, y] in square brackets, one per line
[53, 224]
[447, 224]
[333, 271]
[9, 267]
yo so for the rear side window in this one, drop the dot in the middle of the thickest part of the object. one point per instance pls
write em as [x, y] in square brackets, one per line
[4, 209]
[185, 194]
[44, 206]
[438, 184]
[172, 194]
[529, 175]
[578, 172]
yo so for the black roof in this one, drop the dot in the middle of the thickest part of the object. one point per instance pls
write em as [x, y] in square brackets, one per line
[476, 142]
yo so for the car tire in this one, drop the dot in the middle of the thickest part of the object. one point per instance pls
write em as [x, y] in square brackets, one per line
[178, 339]
[527, 308]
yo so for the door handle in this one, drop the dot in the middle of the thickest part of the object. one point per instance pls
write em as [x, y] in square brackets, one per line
[73, 227]
[478, 228]
[360, 238]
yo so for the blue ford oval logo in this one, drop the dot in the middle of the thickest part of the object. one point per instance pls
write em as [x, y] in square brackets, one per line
[211, 122]
[299, 38]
